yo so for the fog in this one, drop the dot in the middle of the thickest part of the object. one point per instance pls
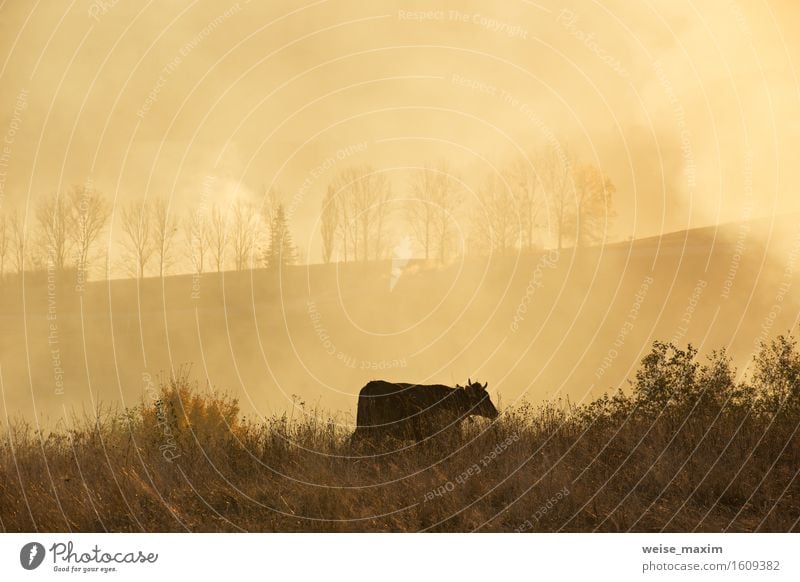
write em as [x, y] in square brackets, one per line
[690, 109]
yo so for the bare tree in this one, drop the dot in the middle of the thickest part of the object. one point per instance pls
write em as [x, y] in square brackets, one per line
[5, 240]
[137, 226]
[329, 223]
[243, 234]
[165, 228]
[52, 217]
[445, 223]
[341, 188]
[526, 187]
[19, 241]
[362, 195]
[421, 210]
[436, 197]
[593, 196]
[218, 236]
[380, 194]
[555, 167]
[197, 234]
[88, 217]
[269, 207]
[495, 225]
[346, 227]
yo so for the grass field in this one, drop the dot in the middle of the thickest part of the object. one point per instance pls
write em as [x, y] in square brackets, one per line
[684, 448]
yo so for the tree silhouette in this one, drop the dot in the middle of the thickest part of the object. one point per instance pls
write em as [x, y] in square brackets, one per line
[19, 241]
[165, 228]
[137, 226]
[436, 197]
[361, 195]
[52, 215]
[329, 224]
[281, 251]
[496, 221]
[197, 235]
[526, 186]
[593, 197]
[218, 236]
[243, 234]
[554, 165]
[87, 218]
[5, 241]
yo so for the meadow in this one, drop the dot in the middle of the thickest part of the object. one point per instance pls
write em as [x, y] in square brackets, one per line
[685, 446]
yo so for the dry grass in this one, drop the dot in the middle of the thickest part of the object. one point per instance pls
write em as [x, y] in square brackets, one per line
[685, 448]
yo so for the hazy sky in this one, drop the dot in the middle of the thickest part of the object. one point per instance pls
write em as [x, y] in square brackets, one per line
[690, 107]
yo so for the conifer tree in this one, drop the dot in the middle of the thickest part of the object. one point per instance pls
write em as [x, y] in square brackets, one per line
[281, 251]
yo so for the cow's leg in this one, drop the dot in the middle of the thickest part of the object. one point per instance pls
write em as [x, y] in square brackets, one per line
[357, 438]
[364, 439]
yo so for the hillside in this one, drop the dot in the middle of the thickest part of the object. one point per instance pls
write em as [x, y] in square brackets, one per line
[542, 325]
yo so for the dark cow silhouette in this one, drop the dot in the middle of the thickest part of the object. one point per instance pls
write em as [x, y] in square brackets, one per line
[415, 412]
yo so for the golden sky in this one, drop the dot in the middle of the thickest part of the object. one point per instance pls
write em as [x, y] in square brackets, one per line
[690, 107]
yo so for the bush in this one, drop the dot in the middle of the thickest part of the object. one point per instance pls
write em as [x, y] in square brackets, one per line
[686, 448]
[183, 418]
[670, 377]
[776, 377]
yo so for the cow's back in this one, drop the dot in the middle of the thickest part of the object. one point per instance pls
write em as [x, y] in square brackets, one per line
[401, 409]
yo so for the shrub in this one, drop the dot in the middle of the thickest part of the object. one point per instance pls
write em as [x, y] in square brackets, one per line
[776, 376]
[687, 448]
[667, 376]
[183, 417]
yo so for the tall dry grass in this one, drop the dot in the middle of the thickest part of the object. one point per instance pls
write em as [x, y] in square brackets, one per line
[684, 448]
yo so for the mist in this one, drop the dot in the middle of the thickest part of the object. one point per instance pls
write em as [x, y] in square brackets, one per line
[690, 111]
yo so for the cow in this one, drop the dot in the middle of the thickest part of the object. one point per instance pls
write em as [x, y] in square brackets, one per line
[416, 412]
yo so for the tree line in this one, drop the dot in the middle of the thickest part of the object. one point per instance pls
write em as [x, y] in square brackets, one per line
[549, 199]
[65, 232]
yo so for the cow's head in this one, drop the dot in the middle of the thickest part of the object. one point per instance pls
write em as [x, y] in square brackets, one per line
[479, 401]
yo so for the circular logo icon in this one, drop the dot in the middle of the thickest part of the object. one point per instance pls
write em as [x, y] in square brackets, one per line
[31, 555]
